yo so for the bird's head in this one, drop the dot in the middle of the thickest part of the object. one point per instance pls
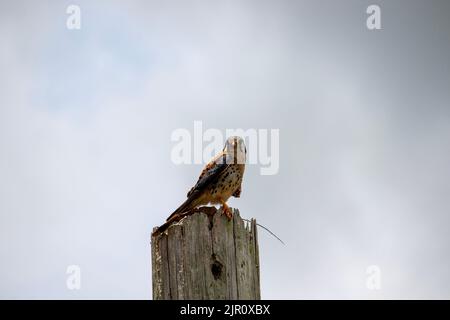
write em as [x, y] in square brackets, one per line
[235, 147]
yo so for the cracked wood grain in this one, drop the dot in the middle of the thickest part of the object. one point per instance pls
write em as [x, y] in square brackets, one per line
[204, 256]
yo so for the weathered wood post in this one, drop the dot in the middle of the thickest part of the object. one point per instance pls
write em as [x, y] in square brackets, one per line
[205, 256]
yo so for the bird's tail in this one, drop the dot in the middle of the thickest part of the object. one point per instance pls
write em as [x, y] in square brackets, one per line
[189, 204]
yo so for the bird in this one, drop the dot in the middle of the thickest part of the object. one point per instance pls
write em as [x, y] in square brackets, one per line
[220, 179]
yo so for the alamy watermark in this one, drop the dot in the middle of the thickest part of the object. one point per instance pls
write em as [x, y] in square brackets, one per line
[73, 281]
[373, 21]
[373, 280]
[263, 146]
[73, 21]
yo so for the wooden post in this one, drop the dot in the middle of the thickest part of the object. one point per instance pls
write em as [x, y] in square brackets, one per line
[205, 256]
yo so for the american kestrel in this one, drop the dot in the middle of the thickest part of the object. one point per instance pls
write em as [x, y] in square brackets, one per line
[220, 179]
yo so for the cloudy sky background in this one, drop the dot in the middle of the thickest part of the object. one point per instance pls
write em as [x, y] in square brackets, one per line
[86, 118]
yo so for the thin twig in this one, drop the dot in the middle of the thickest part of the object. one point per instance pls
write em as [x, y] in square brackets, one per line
[260, 225]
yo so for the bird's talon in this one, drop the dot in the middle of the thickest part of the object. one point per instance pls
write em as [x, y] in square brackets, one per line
[228, 212]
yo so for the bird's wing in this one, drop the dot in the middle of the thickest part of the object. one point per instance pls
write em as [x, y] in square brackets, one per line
[237, 193]
[209, 174]
[211, 171]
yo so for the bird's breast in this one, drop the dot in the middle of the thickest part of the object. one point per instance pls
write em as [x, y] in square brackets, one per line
[228, 182]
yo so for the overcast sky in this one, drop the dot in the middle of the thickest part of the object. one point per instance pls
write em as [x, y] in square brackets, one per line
[86, 118]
